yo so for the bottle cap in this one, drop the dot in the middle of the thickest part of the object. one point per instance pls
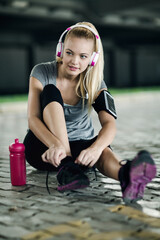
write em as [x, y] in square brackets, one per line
[16, 146]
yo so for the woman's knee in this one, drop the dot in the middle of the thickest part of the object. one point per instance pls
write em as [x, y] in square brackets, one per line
[50, 94]
[33, 147]
[103, 158]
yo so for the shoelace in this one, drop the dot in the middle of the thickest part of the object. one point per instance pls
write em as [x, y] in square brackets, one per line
[47, 176]
[95, 172]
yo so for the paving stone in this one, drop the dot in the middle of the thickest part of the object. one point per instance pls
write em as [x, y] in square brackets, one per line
[12, 231]
[63, 237]
[30, 209]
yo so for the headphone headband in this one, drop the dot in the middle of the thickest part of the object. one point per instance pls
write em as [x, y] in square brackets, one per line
[95, 55]
[77, 26]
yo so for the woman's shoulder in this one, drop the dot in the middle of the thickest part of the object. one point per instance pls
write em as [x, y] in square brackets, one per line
[44, 72]
[103, 85]
[44, 66]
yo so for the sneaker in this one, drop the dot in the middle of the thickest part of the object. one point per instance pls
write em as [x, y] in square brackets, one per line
[142, 170]
[70, 177]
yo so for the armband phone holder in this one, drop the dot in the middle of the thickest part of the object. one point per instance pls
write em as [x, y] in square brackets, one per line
[109, 102]
[105, 102]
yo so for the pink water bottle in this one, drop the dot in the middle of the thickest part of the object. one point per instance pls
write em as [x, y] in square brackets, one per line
[17, 163]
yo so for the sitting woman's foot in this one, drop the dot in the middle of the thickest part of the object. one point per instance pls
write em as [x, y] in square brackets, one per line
[70, 176]
[135, 175]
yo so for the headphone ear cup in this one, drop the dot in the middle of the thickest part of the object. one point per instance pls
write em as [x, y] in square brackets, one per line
[94, 59]
[59, 50]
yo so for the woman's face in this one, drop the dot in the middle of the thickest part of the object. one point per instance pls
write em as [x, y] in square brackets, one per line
[77, 54]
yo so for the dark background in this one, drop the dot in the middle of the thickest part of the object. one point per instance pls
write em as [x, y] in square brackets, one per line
[130, 32]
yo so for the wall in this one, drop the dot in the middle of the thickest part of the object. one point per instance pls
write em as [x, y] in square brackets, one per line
[125, 66]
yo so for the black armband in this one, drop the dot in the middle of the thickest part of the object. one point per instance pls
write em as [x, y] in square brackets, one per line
[105, 102]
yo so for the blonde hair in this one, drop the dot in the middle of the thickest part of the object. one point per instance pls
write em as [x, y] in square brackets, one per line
[93, 75]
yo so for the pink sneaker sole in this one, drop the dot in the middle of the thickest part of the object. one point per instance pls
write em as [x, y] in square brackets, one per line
[142, 171]
[74, 185]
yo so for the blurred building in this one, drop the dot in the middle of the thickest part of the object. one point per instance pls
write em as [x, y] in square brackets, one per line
[130, 32]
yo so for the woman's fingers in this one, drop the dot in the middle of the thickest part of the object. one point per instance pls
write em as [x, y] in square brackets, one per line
[80, 158]
[44, 157]
[84, 158]
[54, 156]
[88, 157]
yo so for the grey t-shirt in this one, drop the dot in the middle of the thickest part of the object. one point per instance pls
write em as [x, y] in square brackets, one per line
[78, 122]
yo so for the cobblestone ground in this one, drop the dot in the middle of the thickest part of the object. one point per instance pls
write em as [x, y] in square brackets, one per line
[95, 213]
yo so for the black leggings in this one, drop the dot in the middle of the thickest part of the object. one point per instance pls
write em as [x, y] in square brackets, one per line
[34, 148]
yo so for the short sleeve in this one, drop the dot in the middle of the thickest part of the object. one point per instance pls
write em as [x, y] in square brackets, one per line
[38, 72]
[45, 73]
[103, 85]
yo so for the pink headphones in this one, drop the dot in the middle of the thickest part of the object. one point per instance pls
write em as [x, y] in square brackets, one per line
[60, 45]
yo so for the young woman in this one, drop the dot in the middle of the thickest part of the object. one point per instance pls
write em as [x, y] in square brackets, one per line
[61, 135]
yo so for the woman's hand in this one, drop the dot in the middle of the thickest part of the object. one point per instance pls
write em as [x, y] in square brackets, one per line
[88, 157]
[54, 155]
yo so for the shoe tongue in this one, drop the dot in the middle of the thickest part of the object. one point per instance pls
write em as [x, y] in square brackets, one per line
[66, 160]
[142, 152]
